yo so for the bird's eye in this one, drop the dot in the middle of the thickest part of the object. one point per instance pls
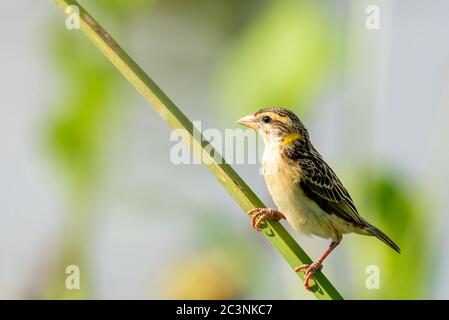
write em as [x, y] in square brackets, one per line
[266, 119]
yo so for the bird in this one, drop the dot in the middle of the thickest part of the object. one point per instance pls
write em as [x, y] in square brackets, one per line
[307, 192]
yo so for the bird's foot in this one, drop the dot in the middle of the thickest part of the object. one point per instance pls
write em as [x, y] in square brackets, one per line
[259, 215]
[310, 270]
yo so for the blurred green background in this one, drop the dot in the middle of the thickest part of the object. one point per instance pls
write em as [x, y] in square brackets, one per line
[86, 177]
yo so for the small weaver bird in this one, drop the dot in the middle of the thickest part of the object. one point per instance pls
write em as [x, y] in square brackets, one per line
[306, 191]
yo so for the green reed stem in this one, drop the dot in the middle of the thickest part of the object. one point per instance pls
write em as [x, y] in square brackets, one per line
[223, 172]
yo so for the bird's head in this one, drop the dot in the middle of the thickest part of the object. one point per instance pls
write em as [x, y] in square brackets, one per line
[276, 125]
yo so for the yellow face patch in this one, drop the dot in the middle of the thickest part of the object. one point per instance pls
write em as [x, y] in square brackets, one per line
[291, 138]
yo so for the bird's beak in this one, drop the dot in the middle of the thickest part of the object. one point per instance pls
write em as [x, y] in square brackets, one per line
[249, 121]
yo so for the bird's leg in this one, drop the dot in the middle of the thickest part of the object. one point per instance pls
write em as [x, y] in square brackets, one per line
[311, 268]
[263, 214]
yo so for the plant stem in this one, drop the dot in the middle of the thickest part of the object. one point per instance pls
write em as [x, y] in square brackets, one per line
[223, 172]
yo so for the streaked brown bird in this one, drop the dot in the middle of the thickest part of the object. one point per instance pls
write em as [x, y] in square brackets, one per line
[306, 191]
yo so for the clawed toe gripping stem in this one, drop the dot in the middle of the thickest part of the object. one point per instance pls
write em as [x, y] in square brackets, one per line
[310, 269]
[259, 215]
[317, 265]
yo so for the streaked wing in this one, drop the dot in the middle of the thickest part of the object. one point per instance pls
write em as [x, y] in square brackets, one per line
[322, 185]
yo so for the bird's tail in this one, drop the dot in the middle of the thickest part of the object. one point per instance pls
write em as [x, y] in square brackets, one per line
[383, 237]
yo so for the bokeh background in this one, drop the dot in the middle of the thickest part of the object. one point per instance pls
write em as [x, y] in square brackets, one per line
[86, 177]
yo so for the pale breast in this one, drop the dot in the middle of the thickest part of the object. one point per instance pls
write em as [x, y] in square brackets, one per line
[302, 213]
